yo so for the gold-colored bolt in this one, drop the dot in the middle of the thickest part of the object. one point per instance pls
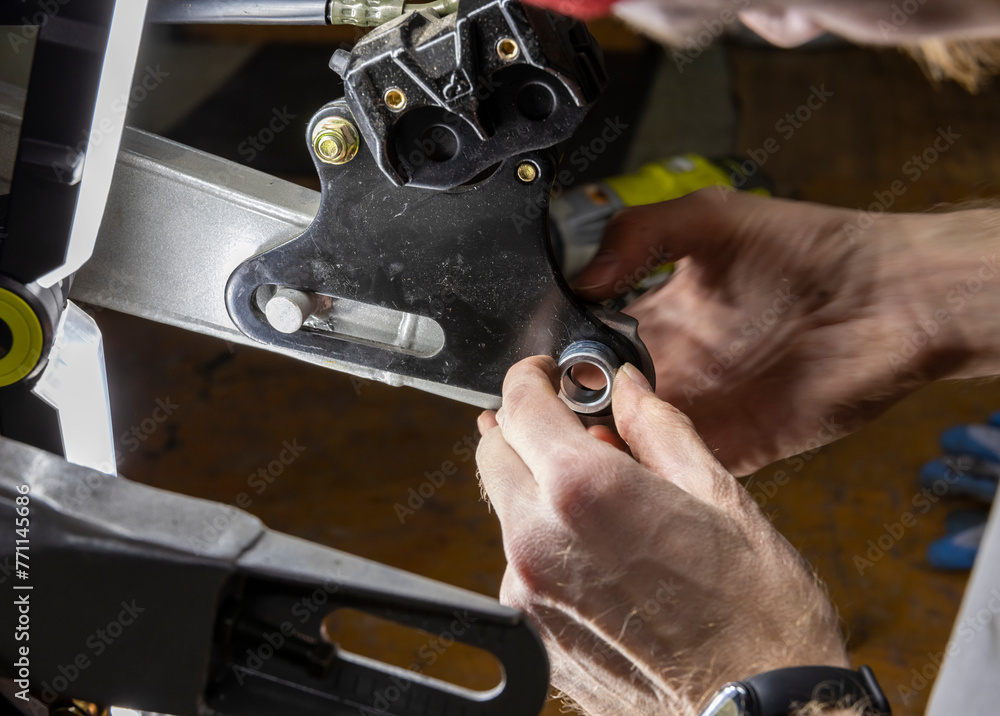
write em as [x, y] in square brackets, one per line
[78, 708]
[335, 140]
[527, 172]
[507, 49]
[394, 99]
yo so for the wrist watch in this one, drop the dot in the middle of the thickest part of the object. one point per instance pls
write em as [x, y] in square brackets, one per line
[782, 691]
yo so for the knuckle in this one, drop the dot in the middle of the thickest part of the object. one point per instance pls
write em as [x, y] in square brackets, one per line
[706, 196]
[519, 401]
[711, 199]
[515, 397]
[727, 493]
[744, 504]
[513, 592]
[668, 417]
[632, 223]
[529, 562]
[624, 222]
[580, 486]
[677, 419]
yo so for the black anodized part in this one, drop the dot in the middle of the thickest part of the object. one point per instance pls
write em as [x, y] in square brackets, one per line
[476, 260]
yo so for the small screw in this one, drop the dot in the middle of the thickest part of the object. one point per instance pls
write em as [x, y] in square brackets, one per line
[507, 49]
[527, 172]
[394, 99]
[335, 140]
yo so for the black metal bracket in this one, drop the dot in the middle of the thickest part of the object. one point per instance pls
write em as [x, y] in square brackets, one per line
[429, 260]
[470, 269]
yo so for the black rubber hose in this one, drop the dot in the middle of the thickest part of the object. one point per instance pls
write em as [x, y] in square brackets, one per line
[239, 12]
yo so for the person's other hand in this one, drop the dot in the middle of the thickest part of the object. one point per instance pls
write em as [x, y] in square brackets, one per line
[782, 330]
[653, 579]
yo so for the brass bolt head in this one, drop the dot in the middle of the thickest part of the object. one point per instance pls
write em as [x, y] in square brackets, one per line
[527, 172]
[507, 49]
[394, 99]
[335, 140]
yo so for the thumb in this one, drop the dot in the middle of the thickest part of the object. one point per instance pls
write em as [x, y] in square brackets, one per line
[640, 238]
[664, 440]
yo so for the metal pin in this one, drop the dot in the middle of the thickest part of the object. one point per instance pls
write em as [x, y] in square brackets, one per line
[288, 309]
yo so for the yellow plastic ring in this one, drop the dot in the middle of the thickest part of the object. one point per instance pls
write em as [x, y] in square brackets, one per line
[26, 348]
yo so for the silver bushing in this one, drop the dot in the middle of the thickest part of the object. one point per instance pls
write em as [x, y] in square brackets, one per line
[579, 397]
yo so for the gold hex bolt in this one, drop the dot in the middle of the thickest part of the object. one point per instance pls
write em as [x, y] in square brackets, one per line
[335, 140]
[507, 49]
[527, 172]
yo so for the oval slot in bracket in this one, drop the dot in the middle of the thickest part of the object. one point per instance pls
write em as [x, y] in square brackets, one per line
[365, 323]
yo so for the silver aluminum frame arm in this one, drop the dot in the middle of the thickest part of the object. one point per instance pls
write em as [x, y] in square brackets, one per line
[177, 224]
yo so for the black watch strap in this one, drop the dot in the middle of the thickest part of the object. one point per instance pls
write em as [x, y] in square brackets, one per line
[775, 693]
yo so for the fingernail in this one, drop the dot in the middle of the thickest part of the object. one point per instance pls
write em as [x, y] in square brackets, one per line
[486, 422]
[636, 376]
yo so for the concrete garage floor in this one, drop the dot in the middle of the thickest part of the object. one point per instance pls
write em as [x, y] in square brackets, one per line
[366, 449]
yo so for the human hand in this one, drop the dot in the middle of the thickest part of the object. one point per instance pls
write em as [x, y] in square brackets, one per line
[653, 579]
[782, 331]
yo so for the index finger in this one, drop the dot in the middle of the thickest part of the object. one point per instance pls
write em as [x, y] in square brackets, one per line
[713, 224]
[653, 234]
[535, 421]
[504, 477]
